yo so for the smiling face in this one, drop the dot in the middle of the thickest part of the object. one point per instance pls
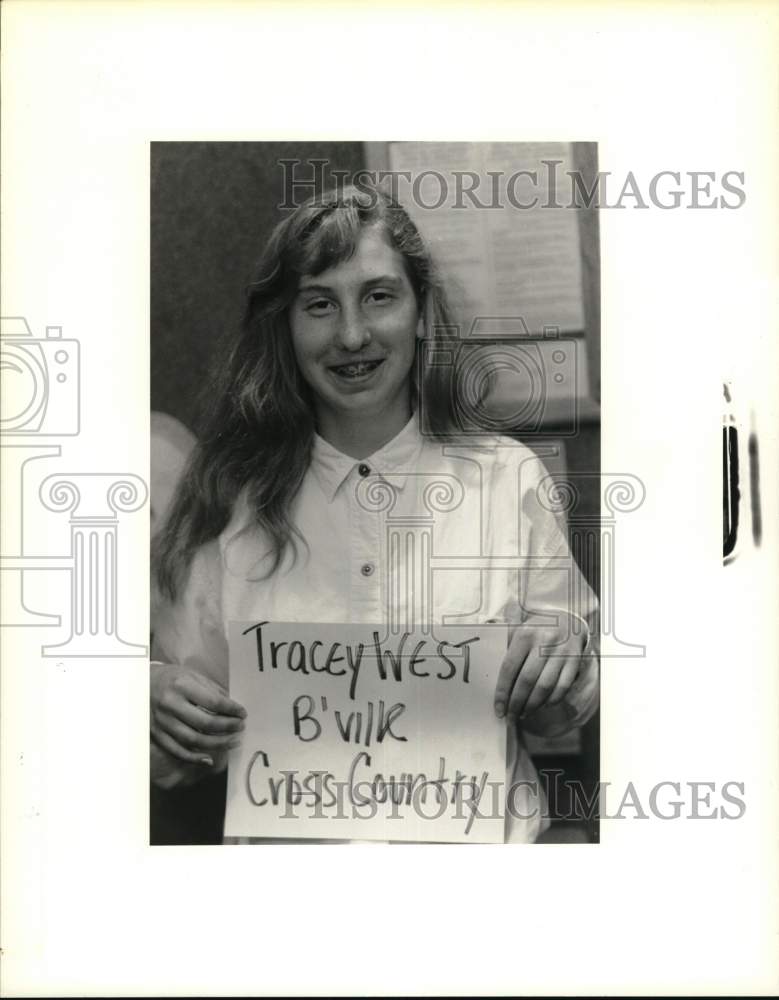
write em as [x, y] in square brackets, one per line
[354, 336]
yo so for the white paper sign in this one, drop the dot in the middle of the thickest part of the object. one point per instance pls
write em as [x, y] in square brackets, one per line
[353, 733]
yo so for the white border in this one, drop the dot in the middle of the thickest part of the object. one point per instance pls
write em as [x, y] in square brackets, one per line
[688, 298]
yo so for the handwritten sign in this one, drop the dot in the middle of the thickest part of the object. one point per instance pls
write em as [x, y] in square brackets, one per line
[356, 734]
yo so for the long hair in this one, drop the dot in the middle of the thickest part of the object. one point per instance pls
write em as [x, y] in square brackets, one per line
[258, 433]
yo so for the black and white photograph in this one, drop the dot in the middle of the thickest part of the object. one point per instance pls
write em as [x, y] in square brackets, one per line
[370, 620]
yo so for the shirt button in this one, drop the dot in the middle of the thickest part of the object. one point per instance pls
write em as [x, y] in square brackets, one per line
[363, 469]
[367, 569]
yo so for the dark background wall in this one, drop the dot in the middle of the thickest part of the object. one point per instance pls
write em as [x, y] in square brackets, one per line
[212, 206]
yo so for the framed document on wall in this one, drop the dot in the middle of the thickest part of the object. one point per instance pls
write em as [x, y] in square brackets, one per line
[515, 226]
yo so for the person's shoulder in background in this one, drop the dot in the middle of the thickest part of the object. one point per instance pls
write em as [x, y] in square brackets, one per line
[171, 447]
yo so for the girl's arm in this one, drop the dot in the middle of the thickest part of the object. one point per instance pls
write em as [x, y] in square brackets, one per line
[550, 675]
[194, 723]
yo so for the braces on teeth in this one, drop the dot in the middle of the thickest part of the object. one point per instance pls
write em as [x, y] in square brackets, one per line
[358, 368]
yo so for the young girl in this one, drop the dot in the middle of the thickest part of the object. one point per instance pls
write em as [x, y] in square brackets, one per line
[322, 394]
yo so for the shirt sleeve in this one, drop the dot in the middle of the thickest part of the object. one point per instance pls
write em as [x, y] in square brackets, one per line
[189, 631]
[551, 583]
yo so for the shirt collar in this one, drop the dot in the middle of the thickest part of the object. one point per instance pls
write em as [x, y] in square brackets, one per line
[331, 467]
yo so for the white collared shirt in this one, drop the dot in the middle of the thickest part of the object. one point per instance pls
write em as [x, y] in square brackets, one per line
[419, 531]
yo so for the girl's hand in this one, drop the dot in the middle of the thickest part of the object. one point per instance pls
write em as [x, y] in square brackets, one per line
[192, 718]
[530, 678]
